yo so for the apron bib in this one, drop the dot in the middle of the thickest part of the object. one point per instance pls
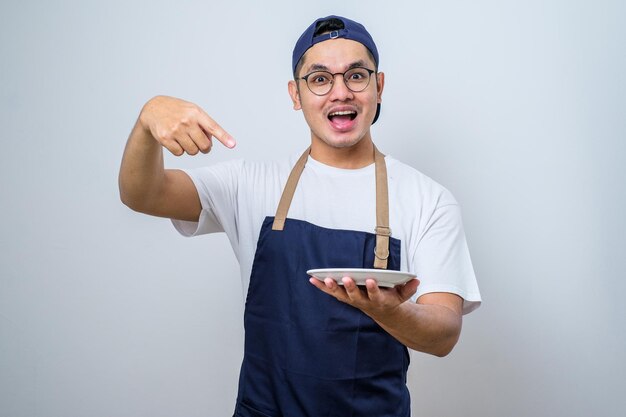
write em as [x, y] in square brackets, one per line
[307, 354]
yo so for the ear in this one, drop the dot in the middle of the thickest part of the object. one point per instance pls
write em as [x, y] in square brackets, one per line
[294, 94]
[380, 85]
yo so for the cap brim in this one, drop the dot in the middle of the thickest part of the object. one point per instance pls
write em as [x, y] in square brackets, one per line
[377, 113]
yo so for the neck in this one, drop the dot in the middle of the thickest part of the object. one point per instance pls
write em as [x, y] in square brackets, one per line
[356, 156]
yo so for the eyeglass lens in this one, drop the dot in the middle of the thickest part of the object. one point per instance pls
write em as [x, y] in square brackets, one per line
[321, 82]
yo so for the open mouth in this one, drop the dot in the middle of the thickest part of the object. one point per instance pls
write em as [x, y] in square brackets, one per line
[342, 117]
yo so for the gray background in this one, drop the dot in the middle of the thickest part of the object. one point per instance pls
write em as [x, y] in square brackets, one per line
[516, 106]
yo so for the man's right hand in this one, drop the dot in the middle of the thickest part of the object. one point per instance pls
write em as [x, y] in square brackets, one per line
[181, 126]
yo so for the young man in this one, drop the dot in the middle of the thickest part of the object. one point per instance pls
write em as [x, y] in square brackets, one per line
[317, 348]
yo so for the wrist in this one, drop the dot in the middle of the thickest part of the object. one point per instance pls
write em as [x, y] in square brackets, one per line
[388, 315]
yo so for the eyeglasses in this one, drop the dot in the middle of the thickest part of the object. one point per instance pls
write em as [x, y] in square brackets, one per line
[321, 82]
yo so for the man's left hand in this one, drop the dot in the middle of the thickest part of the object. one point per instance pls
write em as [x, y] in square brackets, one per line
[377, 302]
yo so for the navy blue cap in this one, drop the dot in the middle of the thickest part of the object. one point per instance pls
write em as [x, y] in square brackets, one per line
[352, 30]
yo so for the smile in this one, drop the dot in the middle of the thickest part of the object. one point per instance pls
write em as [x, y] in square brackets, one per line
[346, 115]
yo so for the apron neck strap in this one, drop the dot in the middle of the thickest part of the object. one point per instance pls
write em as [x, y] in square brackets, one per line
[289, 190]
[383, 232]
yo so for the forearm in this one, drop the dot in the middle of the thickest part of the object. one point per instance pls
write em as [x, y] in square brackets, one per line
[427, 328]
[141, 171]
[433, 325]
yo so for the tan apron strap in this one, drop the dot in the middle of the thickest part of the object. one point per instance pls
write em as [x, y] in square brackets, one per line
[288, 192]
[381, 251]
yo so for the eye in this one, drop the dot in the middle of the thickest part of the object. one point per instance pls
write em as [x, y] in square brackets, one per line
[319, 78]
[357, 75]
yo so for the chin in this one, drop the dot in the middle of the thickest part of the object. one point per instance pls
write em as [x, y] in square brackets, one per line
[342, 140]
[342, 143]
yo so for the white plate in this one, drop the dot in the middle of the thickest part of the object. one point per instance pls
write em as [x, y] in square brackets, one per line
[385, 278]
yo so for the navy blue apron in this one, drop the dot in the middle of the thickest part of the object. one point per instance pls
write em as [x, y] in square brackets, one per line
[307, 354]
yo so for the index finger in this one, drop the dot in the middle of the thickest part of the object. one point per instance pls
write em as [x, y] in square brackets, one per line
[211, 127]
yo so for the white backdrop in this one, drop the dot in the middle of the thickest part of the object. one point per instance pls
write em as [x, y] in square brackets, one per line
[516, 106]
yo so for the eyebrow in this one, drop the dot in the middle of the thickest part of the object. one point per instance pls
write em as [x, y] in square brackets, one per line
[321, 67]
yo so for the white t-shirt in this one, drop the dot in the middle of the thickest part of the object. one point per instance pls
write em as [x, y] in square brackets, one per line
[236, 197]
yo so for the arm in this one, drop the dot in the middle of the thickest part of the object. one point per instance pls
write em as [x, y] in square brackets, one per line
[181, 127]
[432, 325]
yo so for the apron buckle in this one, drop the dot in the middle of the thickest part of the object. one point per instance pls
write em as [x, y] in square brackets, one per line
[382, 256]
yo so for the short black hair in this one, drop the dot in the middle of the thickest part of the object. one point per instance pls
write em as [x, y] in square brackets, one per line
[327, 26]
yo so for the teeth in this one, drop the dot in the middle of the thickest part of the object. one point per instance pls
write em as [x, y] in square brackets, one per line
[342, 113]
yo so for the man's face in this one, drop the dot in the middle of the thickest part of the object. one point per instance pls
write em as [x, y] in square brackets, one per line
[341, 118]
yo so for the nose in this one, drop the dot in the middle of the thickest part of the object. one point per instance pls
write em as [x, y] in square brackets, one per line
[339, 90]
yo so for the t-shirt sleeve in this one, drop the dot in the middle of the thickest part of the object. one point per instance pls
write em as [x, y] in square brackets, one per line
[442, 260]
[217, 189]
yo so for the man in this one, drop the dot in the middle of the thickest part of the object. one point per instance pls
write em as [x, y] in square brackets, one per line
[317, 347]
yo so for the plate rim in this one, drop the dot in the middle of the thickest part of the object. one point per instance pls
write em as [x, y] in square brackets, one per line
[378, 271]
[386, 278]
